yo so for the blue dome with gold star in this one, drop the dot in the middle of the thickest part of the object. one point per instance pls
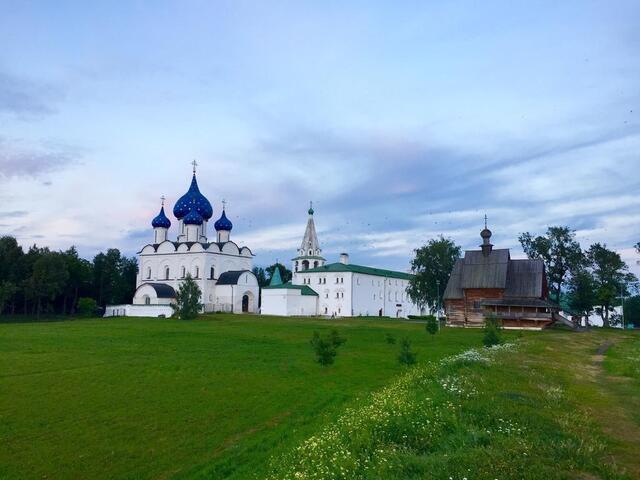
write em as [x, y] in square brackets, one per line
[193, 200]
[161, 221]
[223, 223]
[193, 218]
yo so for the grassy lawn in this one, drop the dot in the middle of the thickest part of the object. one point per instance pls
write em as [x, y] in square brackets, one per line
[213, 398]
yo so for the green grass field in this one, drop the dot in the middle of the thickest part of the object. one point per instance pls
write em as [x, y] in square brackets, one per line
[149, 398]
[241, 397]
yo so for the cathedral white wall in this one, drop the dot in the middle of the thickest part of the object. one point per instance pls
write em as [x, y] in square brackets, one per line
[138, 311]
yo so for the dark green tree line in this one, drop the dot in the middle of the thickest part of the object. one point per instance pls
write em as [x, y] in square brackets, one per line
[52, 282]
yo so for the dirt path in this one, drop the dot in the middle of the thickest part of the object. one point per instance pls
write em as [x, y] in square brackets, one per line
[615, 419]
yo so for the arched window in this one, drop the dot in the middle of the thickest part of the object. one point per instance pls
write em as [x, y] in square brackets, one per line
[326, 310]
[296, 265]
[184, 272]
[213, 271]
[148, 273]
[166, 273]
[197, 272]
[315, 264]
[147, 300]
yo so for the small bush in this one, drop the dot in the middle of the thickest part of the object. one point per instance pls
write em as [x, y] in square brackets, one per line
[432, 325]
[188, 296]
[87, 307]
[336, 339]
[391, 340]
[406, 356]
[326, 348]
[492, 332]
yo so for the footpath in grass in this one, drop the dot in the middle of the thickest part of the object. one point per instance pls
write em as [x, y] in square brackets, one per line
[163, 398]
[539, 408]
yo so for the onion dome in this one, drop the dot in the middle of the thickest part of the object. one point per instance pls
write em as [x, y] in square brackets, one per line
[161, 221]
[310, 211]
[223, 223]
[193, 218]
[486, 233]
[191, 200]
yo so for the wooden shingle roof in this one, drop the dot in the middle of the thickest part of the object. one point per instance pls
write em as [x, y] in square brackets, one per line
[518, 278]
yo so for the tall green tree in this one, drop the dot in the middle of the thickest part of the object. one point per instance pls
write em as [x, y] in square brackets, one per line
[11, 255]
[80, 277]
[582, 293]
[632, 311]
[431, 268]
[48, 279]
[560, 252]
[261, 275]
[188, 297]
[285, 273]
[611, 278]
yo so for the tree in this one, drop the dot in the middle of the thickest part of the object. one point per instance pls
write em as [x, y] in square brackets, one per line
[48, 279]
[406, 356]
[431, 268]
[582, 293]
[188, 296]
[80, 275]
[285, 273]
[261, 275]
[492, 329]
[11, 256]
[560, 252]
[632, 311]
[432, 325]
[87, 307]
[611, 278]
[324, 348]
[7, 290]
[114, 277]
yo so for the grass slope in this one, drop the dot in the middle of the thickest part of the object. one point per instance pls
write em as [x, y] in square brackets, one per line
[213, 398]
[543, 409]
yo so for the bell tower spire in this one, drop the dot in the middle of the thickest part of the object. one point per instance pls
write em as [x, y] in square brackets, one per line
[309, 253]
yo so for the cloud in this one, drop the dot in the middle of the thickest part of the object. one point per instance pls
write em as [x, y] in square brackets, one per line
[13, 214]
[20, 160]
[27, 99]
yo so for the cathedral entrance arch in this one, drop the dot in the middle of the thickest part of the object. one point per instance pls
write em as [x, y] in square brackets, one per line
[245, 303]
[248, 305]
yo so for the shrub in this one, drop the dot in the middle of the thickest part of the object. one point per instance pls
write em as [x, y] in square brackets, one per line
[492, 332]
[432, 325]
[87, 307]
[324, 349]
[188, 304]
[391, 340]
[406, 356]
[336, 339]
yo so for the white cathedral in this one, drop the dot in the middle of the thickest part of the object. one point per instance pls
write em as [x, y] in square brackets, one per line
[221, 268]
[339, 289]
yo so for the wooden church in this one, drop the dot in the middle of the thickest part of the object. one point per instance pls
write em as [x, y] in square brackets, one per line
[488, 282]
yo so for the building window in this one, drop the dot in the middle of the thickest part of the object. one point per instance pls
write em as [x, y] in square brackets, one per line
[341, 280]
[184, 272]
[166, 273]
[148, 273]
[315, 264]
[396, 296]
[341, 294]
[326, 310]
[213, 273]
[197, 272]
[147, 300]
[374, 296]
[319, 281]
[337, 295]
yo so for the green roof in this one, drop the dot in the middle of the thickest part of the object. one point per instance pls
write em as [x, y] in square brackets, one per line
[304, 289]
[341, 267]
[275, 278]
[308, 257]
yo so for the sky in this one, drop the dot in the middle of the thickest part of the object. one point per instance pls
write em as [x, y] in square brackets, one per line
[402, 121]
